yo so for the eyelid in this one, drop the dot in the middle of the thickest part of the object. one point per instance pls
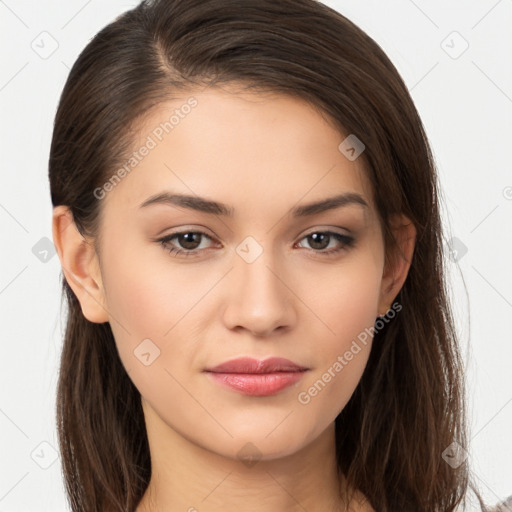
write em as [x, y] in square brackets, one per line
[331, 229]
[185, 229]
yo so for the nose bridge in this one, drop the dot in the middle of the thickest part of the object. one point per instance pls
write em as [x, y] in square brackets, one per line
[258, 299]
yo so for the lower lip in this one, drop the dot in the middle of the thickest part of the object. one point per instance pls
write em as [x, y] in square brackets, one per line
[257, 384]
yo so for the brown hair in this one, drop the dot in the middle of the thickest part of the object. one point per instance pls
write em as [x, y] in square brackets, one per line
[409, 405]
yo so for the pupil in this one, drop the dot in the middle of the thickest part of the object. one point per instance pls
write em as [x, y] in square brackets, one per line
[316, 244]
[189, 240]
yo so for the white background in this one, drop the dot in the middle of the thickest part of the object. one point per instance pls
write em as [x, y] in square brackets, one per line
[466, 106]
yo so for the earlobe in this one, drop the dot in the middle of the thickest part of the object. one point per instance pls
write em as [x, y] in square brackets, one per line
[80, 265]
[398, 265]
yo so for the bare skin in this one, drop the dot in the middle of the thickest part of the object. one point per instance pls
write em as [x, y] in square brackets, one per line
[262, 156]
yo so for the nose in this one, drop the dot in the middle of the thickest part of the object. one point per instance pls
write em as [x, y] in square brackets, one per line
[260, 297]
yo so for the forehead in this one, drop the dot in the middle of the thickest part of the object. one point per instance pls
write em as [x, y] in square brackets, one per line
[250, 150]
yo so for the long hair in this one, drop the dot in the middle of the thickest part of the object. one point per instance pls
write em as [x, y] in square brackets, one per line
[409, 406]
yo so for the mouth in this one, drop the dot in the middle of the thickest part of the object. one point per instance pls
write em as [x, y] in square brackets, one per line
[257, 378]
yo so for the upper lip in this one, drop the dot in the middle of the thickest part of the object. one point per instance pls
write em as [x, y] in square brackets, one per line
[250, 365]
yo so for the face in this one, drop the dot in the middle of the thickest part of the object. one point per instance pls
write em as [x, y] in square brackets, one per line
[189, 285]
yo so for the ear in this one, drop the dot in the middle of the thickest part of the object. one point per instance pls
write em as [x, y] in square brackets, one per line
[80, 265]
[398, 261]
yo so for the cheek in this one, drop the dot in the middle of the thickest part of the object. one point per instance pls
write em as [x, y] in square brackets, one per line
[348, 308]
[142, 305]
[146, 293]
[155, 308]
[344, 297]
[352, 305]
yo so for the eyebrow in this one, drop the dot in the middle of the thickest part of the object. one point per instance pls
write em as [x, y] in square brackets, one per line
[204, 205]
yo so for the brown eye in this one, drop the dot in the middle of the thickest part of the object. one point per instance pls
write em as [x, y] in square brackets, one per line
[320, 240]
[187, 242]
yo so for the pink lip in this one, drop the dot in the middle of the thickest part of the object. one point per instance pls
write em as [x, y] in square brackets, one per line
[257, 378]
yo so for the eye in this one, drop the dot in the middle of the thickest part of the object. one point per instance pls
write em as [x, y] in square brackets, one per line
[320, 240]
[190, 242]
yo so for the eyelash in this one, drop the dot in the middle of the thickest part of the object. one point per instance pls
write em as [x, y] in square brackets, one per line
[346, 241]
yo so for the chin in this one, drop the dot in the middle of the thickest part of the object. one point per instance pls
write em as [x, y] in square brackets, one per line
[256, 444]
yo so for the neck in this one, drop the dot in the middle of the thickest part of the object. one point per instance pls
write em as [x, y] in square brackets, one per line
[188, 478]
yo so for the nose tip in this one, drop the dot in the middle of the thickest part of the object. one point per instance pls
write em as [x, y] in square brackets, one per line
[258, 301]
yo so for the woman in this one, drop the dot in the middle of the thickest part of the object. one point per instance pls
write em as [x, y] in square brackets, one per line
[211, 162]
